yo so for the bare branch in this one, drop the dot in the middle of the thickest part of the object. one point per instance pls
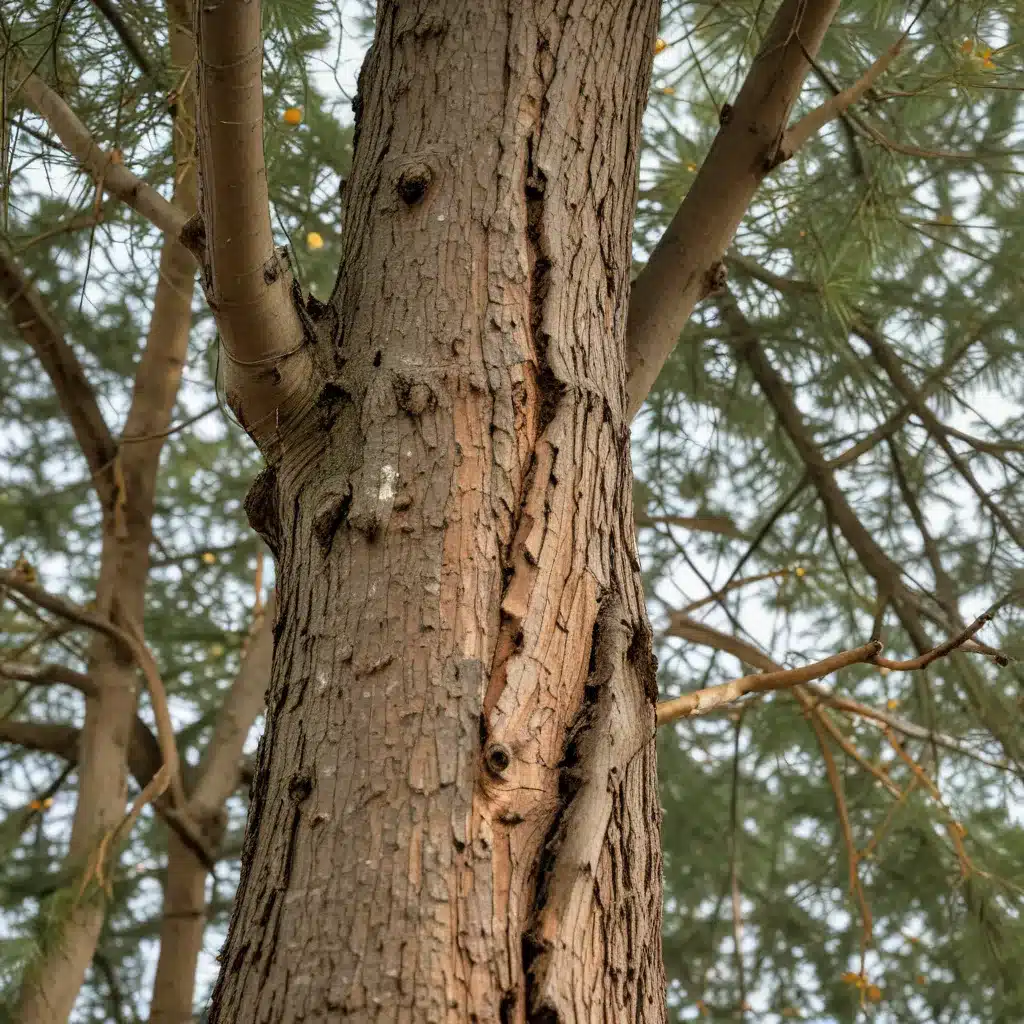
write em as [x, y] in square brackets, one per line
[707, 636]
[833, 107]
[686, 263]
[44, 737]
[114, 177]
[954, 643]
[220, 767]
[700, 702]
[248, 282]
[698, 524]
[47, 675]
[128, 640]
[32, 318]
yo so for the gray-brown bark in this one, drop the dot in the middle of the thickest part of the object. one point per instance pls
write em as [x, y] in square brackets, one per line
[455, 813]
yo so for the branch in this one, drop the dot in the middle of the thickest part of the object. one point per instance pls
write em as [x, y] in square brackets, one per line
[698, 524]
[44, 737]
[887, 574]
[685, 265]
[248, 282]
[144, 762]
[128, 640]
[836, 105]
[892, 366]
[736, 584]
[707, 636]
[954, 643]
[39, 330]
[47, 675]
[158, 376]
[111, 175]
[700, 702]
[221, 765]
[127, 37]
[905, 726]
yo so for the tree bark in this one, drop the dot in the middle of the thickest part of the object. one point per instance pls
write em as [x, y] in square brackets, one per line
[455, 813]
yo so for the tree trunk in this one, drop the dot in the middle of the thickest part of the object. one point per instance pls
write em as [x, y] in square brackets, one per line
[181, 935]
[455, 813]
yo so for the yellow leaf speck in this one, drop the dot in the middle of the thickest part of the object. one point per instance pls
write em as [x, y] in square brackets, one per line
[209, 557]
[314, 240]
[659, 45]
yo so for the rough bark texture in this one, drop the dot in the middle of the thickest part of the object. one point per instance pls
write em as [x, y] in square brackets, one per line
[455, 813]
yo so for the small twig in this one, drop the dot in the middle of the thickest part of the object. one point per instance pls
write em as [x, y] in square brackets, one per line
[924, 660]
[736, 584]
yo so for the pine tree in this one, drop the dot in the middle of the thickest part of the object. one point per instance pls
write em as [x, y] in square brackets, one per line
[424, 314]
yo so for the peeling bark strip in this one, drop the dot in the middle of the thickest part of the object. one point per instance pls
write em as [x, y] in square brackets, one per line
[450, 519]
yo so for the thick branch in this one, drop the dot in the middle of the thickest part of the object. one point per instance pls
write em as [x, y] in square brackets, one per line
[698, 524]
[47, 675]
[220, 767]
[248, 283]
[114, 177]
[41, 333]
[682, 268]
[44, 737]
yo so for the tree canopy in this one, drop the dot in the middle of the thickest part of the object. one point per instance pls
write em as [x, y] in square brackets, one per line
[832, 454]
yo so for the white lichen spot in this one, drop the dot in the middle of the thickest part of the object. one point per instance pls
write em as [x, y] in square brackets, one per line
[322, 682]
[388, 483]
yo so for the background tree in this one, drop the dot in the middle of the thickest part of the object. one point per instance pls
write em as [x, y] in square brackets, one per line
[831, 453]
